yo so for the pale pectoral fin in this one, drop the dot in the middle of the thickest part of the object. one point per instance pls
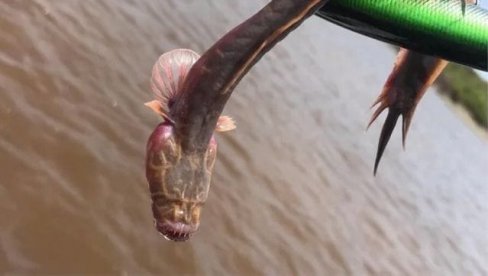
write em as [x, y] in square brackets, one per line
[225, 123]
[158, 109]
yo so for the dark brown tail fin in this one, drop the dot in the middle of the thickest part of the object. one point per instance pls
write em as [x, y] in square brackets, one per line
[386, 131]
[412, 74]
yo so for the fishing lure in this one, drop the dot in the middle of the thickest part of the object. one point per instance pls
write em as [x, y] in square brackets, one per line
[454, 30]
[412, 74]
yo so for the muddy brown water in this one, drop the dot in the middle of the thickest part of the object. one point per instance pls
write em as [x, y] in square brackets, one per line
[293, 191]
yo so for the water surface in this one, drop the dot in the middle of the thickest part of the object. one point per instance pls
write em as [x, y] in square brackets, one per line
[293, 190]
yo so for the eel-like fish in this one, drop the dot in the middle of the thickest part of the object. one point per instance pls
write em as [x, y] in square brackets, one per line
[191, 91]
[176, 181]
[190, 95]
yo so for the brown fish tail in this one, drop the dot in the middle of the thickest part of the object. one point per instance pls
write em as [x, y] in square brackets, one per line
[386, 131]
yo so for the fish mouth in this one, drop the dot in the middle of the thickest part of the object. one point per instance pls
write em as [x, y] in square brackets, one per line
[175, 231]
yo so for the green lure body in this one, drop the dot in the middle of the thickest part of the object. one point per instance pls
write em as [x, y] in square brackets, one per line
[449, 29]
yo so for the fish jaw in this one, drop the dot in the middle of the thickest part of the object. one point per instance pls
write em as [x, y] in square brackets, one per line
[412, 74]
[176, 223]
[175, 231]
[179, 182]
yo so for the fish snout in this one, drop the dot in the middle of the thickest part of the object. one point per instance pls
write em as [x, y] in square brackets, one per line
[177, 221]
[175, 231]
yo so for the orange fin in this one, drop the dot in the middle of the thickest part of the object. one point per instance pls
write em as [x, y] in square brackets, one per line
[225, 123]
[155, 106]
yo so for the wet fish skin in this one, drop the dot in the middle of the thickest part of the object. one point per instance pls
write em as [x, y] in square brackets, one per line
[190, 94]
[214, 76]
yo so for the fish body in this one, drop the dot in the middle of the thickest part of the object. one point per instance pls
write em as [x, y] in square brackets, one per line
[190, 94]
[178, 181]
[450, 29]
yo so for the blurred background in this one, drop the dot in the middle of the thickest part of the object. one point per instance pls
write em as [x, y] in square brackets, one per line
[293, 190]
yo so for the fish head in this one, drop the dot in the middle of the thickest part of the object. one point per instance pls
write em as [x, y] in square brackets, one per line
[179, 182]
